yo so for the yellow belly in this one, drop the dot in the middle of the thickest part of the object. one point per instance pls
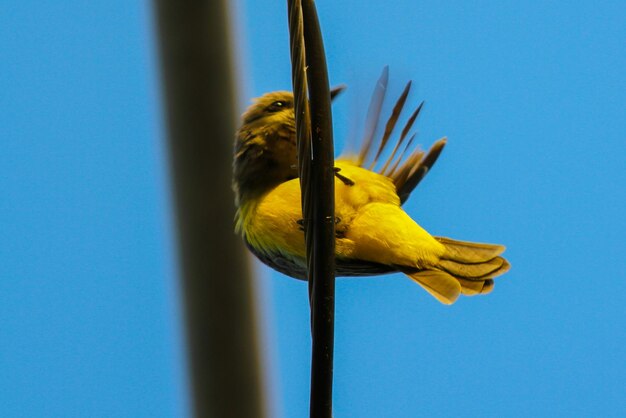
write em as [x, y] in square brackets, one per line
[373, 226]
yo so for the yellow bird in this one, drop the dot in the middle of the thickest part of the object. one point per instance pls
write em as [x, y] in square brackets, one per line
[374, 235]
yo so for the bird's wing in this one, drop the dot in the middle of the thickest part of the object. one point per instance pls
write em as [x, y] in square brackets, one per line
[406, 164]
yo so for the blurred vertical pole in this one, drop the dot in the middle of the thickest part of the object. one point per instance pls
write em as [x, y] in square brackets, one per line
[197, 73]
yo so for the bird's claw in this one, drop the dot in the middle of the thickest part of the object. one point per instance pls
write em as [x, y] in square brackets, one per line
[343, 178]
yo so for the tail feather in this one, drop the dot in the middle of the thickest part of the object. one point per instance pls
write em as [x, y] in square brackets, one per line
[476, 287]
[466, 268]
[445, 288]
[475, 271]
[469, 252]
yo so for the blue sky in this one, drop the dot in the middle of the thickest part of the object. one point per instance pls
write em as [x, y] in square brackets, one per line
[532, 100]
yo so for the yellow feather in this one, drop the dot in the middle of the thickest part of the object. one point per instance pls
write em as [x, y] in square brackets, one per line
[375, 228]
[374, 234]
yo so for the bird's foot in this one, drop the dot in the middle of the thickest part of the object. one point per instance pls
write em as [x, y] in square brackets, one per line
[343, 178]
[340, 231]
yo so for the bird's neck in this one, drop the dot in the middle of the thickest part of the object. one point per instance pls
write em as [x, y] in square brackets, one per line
[251, 184]
[253, 180]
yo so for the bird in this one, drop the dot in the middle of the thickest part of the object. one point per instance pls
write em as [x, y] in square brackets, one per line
[373, 234]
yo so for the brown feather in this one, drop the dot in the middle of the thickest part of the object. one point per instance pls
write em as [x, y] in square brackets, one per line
[420, 171]
[391, 122]
[373, 115]
[403, 136]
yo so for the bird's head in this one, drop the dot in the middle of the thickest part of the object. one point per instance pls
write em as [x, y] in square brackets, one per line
[265, 148]
[273, 109]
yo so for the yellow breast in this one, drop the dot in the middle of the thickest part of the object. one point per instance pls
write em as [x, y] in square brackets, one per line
[372, 225]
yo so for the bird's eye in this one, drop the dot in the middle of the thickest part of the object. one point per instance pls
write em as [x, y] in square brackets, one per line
[277, 106]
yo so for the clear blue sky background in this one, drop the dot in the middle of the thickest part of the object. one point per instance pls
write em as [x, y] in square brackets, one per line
[532, 98]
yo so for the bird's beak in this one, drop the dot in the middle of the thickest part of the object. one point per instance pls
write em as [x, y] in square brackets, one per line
[336, 91]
